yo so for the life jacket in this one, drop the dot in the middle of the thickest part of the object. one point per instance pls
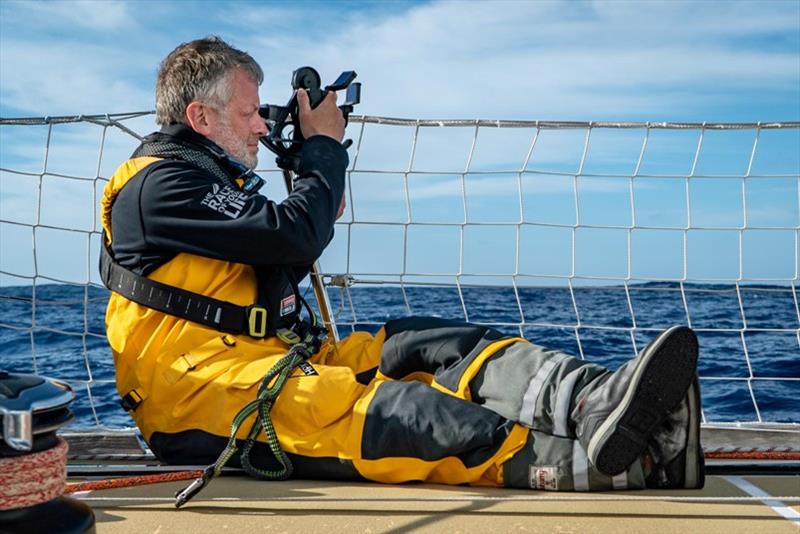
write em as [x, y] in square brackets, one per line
[151, 344]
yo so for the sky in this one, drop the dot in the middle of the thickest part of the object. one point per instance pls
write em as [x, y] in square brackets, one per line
[718, 61]
[538, 60]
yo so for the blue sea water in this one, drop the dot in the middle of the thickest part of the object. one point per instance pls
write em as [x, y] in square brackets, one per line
[754, 332]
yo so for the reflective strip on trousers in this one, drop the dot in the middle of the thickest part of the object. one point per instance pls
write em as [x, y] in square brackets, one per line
[563, 400]
[580, 467]
[531, 398]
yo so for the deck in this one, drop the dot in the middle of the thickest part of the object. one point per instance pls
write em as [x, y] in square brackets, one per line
[240, 504]
[748, 496]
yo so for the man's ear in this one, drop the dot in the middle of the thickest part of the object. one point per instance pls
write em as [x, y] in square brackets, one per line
[197, 118]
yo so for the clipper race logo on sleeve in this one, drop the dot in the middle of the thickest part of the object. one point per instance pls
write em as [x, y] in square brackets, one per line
[226, 200]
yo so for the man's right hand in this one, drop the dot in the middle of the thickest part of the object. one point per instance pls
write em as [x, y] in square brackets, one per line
[325, 119]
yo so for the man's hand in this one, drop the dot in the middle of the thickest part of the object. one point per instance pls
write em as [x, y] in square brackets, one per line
[326, 119]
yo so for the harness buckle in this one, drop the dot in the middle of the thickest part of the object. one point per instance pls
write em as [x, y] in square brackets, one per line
[256, 321]
[288, 336]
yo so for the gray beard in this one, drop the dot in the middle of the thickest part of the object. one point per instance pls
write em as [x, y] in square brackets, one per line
[245, 159]
[228, 141]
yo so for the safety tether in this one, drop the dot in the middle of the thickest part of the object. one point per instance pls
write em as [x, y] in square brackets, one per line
[303, 345]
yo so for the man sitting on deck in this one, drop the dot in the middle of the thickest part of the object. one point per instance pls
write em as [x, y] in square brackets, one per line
[424, 399]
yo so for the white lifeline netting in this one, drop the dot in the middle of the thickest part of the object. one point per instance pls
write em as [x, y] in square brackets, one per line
[585, 237]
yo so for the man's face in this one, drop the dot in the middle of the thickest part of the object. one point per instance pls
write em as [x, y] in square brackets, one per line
[237, 126]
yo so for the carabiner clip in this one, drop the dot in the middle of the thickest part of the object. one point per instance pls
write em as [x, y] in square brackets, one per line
[185, 495]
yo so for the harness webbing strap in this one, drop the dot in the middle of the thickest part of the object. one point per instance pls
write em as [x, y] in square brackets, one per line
[271, 385]
[218, 314]
[303, 343]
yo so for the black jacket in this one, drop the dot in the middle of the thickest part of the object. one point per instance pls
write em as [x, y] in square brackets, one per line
[173, 206]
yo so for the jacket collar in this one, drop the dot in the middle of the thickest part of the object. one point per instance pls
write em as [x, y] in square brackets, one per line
[185, 135]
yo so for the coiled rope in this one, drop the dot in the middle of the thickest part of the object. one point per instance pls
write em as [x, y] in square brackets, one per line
[33, 478]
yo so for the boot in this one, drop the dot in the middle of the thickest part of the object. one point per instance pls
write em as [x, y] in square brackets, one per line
[616, 417]
[675, 449]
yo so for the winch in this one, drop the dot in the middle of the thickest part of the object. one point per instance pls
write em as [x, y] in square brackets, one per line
[33, 457]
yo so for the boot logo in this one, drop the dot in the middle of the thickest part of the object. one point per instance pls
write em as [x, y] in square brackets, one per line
[543, 478]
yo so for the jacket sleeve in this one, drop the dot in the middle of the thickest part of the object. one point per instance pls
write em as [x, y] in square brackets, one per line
[185, 209]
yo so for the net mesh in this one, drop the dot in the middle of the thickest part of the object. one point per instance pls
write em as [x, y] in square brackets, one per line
[585, 237]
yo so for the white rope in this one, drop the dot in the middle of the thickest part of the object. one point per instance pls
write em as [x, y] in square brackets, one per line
[439, 123]
[33, 478]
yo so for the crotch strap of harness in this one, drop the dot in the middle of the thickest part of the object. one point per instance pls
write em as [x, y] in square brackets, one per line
[307, 343]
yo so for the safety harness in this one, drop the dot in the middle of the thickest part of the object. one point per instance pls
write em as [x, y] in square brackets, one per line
[214, 313]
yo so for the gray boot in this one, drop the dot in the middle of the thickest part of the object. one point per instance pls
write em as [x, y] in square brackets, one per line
[675, 449]
[616, 417]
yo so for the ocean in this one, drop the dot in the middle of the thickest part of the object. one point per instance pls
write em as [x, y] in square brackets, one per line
[749, 337]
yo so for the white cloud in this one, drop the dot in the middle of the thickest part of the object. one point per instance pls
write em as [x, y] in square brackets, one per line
[71, 78]
[546, 60]
[96, 15]
[518, 60]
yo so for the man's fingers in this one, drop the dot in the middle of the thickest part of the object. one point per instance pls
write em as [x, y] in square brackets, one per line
[331, 96]
[305, 103]
[302, 100]
[325, 119]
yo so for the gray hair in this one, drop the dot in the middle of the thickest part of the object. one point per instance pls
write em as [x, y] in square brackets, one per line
[199, 71]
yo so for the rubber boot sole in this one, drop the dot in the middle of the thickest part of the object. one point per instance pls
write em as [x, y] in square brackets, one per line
[660, 382]
[694, 468]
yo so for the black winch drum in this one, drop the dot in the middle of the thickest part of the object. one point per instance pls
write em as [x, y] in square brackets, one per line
[32, 409]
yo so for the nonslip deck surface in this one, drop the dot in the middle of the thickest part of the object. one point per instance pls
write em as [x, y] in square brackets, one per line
[728, 504]
[239, 504]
